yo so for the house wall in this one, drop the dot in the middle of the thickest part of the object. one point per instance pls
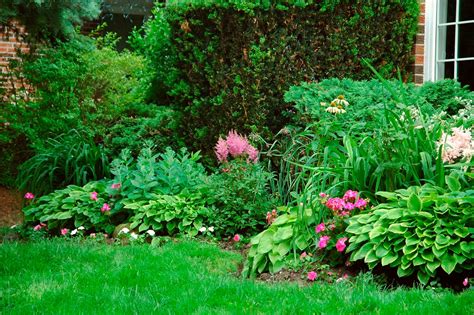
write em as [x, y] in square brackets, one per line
[419, 48]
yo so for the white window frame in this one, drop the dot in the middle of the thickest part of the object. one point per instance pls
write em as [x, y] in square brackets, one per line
[431, 58]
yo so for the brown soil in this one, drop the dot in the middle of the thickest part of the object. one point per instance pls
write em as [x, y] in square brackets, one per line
[10, 207]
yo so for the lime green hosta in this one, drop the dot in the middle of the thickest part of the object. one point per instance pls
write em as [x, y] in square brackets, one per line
[420, 230]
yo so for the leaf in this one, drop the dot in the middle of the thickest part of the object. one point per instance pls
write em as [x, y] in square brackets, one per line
[389, 258]
[283, 248]
[381, 251]
[266, 242]
[379, 230]
[423, 277]
[397, 228]
[301, 242]
[453, 183]
[371, 257]
[404, 272]
[62, 216]
[414, 203]
[283, 233]
[448, 263]
[433, 265]
[362, 252]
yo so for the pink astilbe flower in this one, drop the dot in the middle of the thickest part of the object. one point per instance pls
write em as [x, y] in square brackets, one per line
[323, 242]
[94, 196]
[341, 244]
[64, 231]
[312, 276]
[105, 207]
[252, 153]
[236, 144]
[221, 150]
[459, 145]
[29, 196]
[320, 227]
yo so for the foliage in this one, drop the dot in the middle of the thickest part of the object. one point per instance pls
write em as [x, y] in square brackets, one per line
[47, 20]
[240, 196]
[446, 95]
[169, 214]
[423, 230]
[73, 158]
[72, 207]
[226, 64]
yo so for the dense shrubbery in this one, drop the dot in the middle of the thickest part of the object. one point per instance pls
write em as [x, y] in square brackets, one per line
[226, 64]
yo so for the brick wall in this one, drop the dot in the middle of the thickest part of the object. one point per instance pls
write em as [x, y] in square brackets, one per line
[419, 48]
[9, 45]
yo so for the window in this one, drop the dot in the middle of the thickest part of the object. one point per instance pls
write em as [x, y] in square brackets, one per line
[450, 40]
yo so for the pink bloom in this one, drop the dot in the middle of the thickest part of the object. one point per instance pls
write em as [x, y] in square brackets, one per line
[92, 235]
[222, 151]
[64, 231]
[349, 206]
[116, 186]
[329, 273]
[105, 207]
[341, 244]
[94, 196]
[236, 238]
[350, 195]
[335, 204]
[29, 196]
[332, 227]
[465, 282]
[303, 255]
[252, 153]
[323, 195]
[323, 241]
[312, 275]
[361, 203]
[236, 144]
[37, 227]
[320, 227]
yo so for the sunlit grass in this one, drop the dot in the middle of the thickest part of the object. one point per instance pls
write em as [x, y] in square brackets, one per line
[183, 278]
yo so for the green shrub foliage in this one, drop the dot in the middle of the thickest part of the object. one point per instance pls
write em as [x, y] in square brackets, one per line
[423, 230]
[226, 64]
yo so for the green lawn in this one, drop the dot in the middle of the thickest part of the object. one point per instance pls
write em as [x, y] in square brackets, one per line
[58, 277]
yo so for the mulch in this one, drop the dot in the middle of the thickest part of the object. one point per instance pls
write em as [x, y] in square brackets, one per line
[10, 207]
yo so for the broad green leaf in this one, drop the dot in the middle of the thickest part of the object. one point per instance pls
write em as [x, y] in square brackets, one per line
[448, 263]
[433, 265]
[362, 252]
[301, 242]
[414, 203]
[266, 242]
[423, 277]
[283, 233]
[404, 272]
[283, 248]
[370, 256]
[453, 183]
[397, 228]
[381, 251]
[389, 258]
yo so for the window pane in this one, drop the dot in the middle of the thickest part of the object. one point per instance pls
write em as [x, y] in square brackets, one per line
[445, 70]
[466, 40]
[447, 11]
[467, 10]
[446, 42]
[466, 73]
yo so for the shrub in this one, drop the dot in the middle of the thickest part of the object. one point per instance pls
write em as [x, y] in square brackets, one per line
[226, 64]
[424, 230]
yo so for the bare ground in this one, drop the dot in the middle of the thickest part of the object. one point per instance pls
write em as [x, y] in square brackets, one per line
[10, 207]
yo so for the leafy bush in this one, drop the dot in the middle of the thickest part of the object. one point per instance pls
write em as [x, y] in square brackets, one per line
[72, 158]
[226, 64]
[423, 230]
[72, 207]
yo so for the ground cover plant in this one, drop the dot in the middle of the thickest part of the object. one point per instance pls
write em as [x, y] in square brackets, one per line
[68, 276]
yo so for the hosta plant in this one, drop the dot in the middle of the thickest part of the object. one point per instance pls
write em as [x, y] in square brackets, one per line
[169, 214]
[420, 230]
[74, 206]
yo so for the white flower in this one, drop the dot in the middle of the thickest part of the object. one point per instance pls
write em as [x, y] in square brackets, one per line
[124, 230]
[133, 235]
[151, 232]
[73, 232]
[81, 228]
[13, 226]
[211, 229]
[203, 229]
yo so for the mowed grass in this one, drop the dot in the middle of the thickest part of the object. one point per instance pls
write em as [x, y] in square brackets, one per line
[60, 277]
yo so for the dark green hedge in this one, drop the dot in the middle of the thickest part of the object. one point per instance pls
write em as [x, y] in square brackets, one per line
[227, 64]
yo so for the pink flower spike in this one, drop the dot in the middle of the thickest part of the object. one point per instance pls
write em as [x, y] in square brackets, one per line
[236, 238]
[105, 207]
[341, 244]
[64, 231]
[320, 227]
[116, 186]
[312, 276]
[323, 242]
[221, 150]
[236, 144]
[303, 255]
[465, 282]
[252, 153]
[94, 196]
[29, 196]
